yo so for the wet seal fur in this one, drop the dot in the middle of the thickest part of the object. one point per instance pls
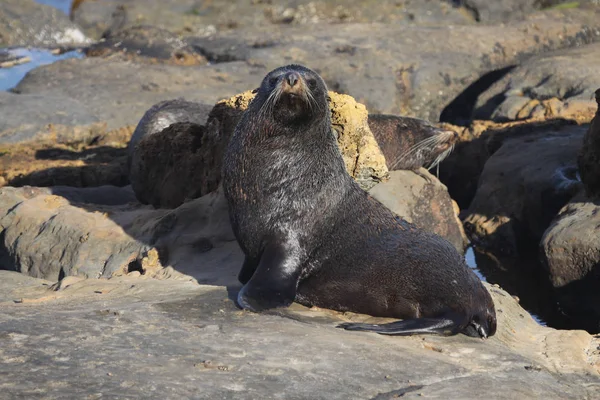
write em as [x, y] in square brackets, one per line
[411, 143]
[310, 234]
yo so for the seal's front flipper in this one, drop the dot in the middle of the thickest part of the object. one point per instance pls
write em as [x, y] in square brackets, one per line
[275, 280]
[440, 326]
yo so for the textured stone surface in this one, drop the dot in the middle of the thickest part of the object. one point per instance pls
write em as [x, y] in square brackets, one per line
[411, 72]
[557, 84]
[424, 202]
[200, 18]
[105, 338]
[570, 251]
[522, 187]
[27, 23]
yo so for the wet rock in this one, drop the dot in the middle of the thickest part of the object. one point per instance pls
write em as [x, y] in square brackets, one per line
[119, 92]
[27, 23]
[194, 333]
[589, 157]
[392, 70]
[146, 44]
[524, 184]
[197, 18]
[422, 200]
[557, 84]
[570, 251]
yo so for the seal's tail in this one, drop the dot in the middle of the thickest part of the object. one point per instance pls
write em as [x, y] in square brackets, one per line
[440, 326]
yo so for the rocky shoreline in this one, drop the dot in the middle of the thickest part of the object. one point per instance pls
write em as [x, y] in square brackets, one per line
[118, 266]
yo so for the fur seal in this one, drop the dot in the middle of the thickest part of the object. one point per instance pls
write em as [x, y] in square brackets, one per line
[410, 143]
[310, 234]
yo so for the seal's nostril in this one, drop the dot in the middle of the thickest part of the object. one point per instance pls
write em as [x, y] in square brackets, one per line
[292, 78]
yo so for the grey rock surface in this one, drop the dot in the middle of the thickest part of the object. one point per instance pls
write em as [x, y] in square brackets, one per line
[197, 18]
[524, 184]
[393, 70]
[28, 117]
[27, 23]
[558, 84]
[145, 338]
[570, 251]
[422, 200]
[119, 92]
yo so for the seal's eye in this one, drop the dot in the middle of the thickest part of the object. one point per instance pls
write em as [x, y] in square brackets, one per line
[273, 80]
[312, 83]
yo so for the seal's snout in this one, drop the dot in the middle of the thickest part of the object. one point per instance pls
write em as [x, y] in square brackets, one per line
[292, 78]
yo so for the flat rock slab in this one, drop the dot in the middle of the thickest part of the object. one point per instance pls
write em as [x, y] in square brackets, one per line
[119, 92]
[28, 23]
[145, 338]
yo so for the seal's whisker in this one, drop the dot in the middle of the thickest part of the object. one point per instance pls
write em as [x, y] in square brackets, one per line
[415, 149]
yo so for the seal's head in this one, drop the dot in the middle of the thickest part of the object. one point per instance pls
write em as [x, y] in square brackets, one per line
[292, 95]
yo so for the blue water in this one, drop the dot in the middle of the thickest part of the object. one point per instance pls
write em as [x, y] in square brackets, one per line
[62, 5]
[10, 77]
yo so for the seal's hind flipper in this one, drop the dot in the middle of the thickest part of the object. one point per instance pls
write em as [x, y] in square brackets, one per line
[440, 326]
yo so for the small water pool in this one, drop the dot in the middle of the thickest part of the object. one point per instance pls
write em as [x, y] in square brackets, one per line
[10, 77]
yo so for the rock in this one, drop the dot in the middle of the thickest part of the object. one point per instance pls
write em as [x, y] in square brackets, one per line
[423, 202]
[27, 23]
[146, 44]
[570, 251]
[119, 92]
[558, 84]
[180, 163]
[413, 72]
[589, 157]
[362, 156]
[192, 339]
[511, 10]
[50, 237]
[524, 183]
[34, 117]
[166, 113]
[191, 17]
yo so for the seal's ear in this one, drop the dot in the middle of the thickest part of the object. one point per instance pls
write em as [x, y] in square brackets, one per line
[255, 91]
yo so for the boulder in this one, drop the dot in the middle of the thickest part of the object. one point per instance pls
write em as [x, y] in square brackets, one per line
[589, 157]
[524, 184]
[146, 44]
[421, 199]
[570, 251]
[28, 23]
[556, 84]
[511, 10]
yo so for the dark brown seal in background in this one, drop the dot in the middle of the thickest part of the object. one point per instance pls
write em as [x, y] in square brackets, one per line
[311, 234]
[411, 143]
